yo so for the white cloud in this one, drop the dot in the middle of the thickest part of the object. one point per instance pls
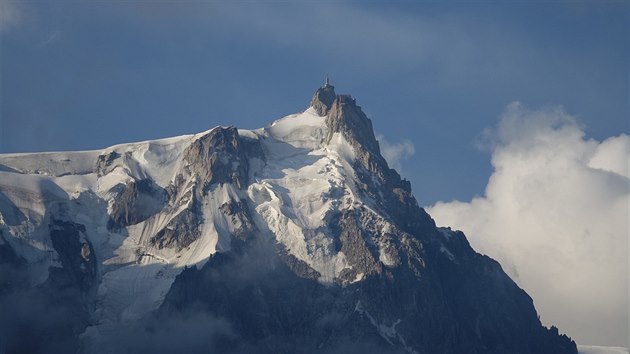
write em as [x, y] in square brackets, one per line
[10, 14]
[585, 349]
[555, 215]
[612, 155]
[395, 152]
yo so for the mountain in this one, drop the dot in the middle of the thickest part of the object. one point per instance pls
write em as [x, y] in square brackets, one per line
[293, 238]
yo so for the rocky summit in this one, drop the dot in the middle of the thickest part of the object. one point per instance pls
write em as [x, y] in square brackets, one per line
[293, 238]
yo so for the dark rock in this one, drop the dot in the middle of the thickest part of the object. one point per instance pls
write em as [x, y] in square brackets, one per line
[12, 268]
[353, 239]
[181, 231]
[217, 158]
[221, 156]
[75, 252]
[241, 219]
[380, 183]
[9, 213]
[105, 163]
[323, 98]
[347, 118]
[49, 317]
[297, 266]
[136, 202]
[274, 310]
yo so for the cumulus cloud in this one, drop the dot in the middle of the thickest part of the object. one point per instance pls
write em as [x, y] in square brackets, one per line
[394, 153]
[555, 215]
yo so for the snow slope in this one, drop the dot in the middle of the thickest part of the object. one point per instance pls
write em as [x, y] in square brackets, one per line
[68, 185]
[302, 182]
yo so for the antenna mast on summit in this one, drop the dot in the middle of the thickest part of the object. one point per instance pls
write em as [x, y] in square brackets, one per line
[327, 83]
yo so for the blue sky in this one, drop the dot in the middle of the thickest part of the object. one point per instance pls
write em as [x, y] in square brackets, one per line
[88, 75]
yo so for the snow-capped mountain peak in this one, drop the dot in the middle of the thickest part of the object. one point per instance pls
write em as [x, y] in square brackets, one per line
[309, 200]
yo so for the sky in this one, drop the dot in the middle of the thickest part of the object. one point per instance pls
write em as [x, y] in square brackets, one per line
[457, 92]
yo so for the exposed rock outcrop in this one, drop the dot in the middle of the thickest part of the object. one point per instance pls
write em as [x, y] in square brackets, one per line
[379, 182]
[106, 163]
[354, 245]
[219, 157]
[136, 202]
[216, 157]
[240, 218]
[181, 231]
[323, 98]
[75, 251]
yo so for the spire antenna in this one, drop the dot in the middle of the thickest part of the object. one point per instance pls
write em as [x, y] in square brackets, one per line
[327, 83]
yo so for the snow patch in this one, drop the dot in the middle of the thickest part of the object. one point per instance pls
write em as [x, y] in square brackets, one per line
[301, 184]
[446, 252]
[388, 333]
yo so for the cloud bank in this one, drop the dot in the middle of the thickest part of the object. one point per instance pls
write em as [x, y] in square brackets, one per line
[555, 215]
[585, 349]
[394, 153]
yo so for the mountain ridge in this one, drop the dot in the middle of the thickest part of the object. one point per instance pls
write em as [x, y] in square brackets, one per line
[245, 224]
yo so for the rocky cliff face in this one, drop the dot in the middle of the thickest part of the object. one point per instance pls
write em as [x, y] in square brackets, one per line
[323, 99]
[297, 237]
